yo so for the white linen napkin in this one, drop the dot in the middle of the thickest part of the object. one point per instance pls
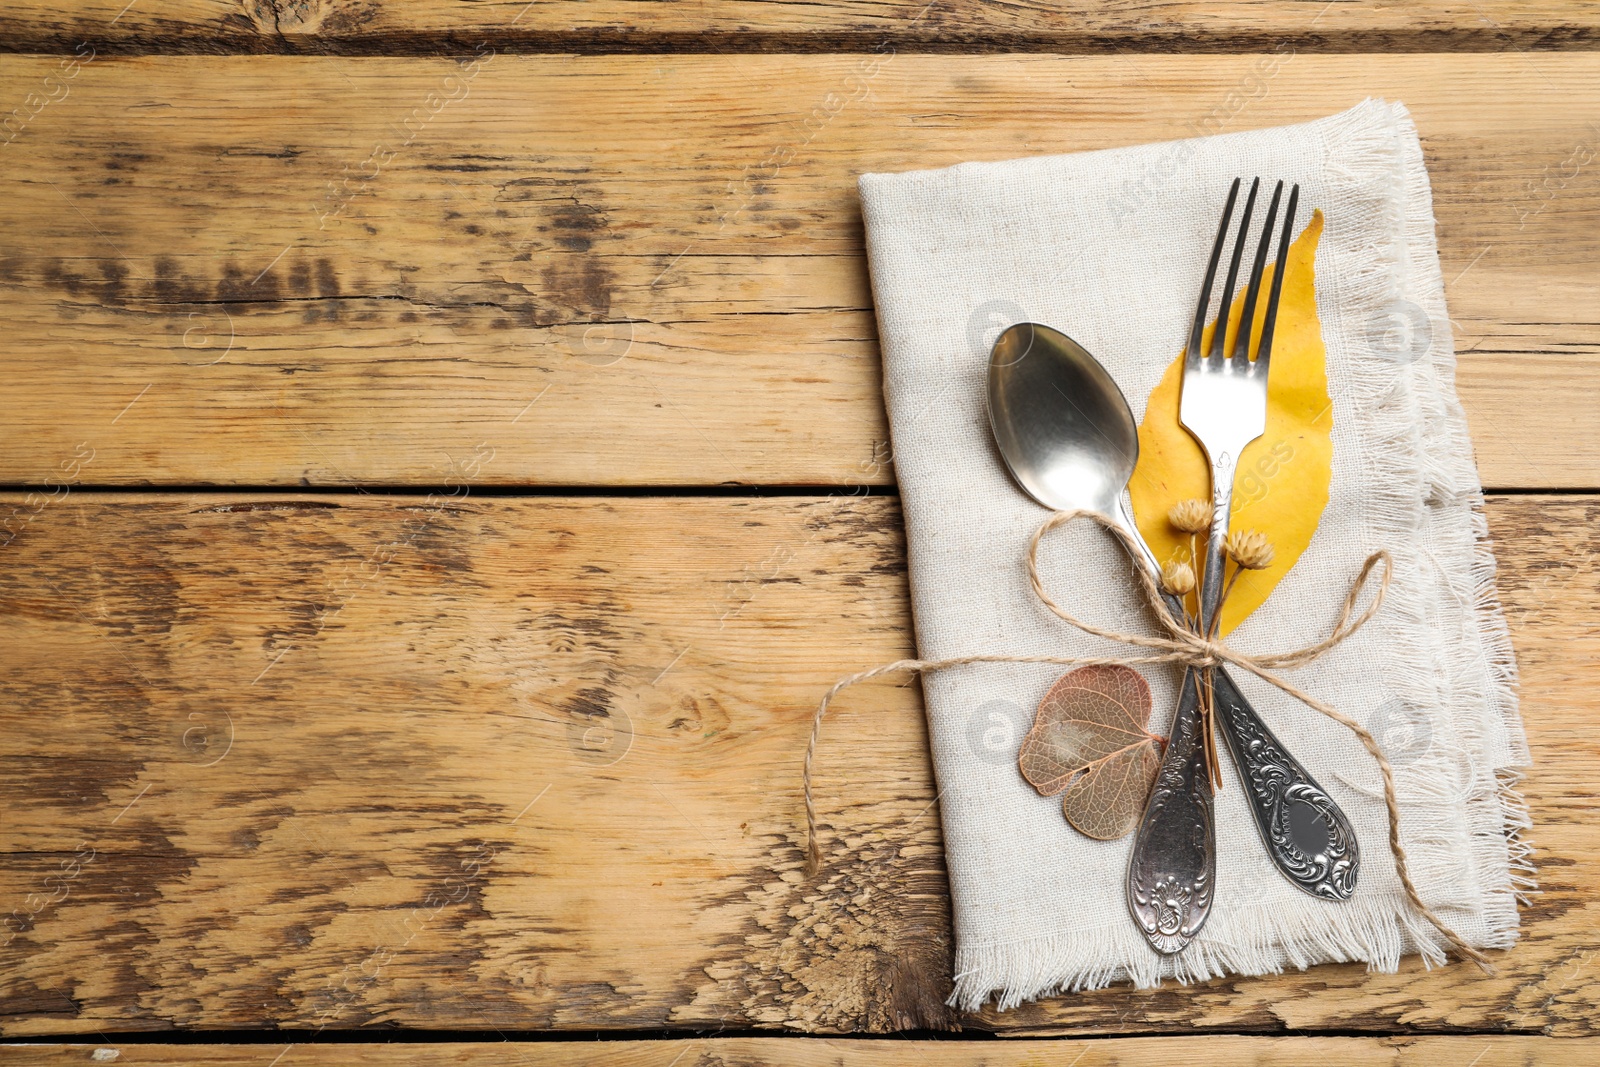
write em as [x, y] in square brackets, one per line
[1109, 247]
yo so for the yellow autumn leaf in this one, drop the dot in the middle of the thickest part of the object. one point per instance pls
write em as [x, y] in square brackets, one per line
[1283, 477]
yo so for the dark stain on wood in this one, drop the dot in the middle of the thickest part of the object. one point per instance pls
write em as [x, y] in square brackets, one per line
[862, 945]
[269, 505]
[61, 781]
[24, 999]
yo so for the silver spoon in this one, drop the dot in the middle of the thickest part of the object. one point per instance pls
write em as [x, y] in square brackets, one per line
[1066, 432]
[1063, 426]
[1068, 436]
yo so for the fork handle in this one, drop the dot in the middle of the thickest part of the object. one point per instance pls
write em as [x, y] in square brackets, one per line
[1172, 874]
[1306, 833]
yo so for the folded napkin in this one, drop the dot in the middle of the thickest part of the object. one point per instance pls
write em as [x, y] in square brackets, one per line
[1109, 247]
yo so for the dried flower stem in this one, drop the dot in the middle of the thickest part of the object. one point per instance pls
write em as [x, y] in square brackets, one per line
[1227, 587]
[1199, 572]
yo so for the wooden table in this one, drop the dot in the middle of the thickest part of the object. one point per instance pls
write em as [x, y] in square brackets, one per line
[445, 463]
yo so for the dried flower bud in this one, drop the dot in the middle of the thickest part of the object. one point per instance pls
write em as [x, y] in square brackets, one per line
[1191, 516]
[1177, 578]
[1250, 550]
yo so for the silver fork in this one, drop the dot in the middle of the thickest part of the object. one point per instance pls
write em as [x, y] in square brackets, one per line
[1171, 879]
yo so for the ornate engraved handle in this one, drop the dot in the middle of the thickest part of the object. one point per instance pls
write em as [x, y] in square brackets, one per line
[1306, 833]
[1172, 875]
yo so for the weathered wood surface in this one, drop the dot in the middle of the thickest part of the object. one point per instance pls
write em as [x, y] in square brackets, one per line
[395, 27]
[1489, 1051]
[648, 270]
[532, 764]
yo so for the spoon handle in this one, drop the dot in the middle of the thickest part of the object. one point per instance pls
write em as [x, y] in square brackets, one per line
[1305, 831]
[1172, 875]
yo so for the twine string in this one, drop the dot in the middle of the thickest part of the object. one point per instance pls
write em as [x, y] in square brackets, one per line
[1187, 648]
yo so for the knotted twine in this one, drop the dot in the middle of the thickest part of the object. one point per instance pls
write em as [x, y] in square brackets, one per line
[1187, 648]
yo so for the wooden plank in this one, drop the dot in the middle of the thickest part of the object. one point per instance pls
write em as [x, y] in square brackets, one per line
[359, 760]
[1232, 1051]
[596, 271]
[428, 27]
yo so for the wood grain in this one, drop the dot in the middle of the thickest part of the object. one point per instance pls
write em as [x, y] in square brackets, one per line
[331, 271]
[1486, 1051]
[355, 760]
[407, 27]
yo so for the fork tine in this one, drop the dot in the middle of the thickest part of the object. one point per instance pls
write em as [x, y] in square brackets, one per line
[1265, 352]
[1191, 356]
[1221, 333]
[1252, 293]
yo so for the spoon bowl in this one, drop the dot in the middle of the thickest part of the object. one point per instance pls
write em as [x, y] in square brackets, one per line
[1063, 426]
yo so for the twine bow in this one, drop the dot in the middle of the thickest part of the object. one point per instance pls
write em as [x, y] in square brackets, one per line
[1180, 645]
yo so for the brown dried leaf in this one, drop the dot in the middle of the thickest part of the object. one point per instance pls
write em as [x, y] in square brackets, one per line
[1090, 739]
[1107, 800]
